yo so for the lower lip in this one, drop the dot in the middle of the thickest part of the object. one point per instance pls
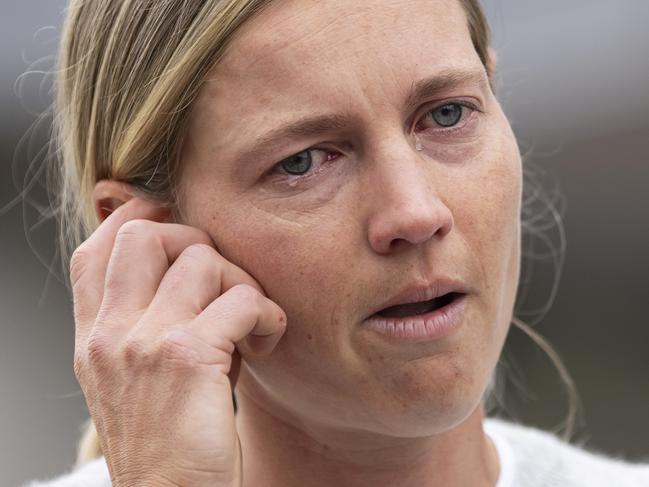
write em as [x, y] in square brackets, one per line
[430, 326]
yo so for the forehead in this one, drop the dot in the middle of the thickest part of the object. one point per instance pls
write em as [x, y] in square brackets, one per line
[297, 57]
[316, 29]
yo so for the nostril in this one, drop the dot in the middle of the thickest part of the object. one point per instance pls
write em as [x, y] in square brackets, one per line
[391, 237]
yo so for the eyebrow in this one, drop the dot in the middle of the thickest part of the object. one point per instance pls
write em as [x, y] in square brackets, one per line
[312, 126]
[430, 87]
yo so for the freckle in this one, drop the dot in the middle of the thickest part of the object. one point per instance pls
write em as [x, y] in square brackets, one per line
[381, 358]
[369, 359]
[309, 336]
[213, 217]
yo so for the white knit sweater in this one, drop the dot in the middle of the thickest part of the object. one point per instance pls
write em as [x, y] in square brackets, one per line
[529, 457]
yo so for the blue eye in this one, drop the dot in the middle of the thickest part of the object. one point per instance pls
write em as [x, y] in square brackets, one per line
[298, 164]
[448, 115]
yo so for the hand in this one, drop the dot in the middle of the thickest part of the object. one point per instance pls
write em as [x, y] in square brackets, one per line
[162, 321]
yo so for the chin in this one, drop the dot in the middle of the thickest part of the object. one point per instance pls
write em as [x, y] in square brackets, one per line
[429, 399]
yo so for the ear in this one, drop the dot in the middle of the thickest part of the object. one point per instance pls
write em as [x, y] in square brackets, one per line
[109, 195]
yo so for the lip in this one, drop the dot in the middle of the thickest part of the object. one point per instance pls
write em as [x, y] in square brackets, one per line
[429, 326]
[423, 292]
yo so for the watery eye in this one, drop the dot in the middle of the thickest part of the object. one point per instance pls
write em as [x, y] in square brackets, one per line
[298, 164]
[448, 115]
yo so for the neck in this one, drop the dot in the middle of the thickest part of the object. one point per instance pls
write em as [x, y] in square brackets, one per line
[281, 452]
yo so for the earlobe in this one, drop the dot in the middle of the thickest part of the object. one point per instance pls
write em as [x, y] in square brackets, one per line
[108, 195]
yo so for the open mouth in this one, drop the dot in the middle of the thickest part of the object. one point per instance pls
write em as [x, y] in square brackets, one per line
[420, 308]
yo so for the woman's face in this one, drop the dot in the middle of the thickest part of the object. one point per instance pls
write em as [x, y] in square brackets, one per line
[382, 191]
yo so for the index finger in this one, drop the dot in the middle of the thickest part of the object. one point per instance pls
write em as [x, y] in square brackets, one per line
[90, 260]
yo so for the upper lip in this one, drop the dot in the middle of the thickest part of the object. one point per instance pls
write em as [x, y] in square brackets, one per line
[423, 291]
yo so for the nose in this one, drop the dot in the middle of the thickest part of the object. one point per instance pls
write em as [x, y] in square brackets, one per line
[405, 208]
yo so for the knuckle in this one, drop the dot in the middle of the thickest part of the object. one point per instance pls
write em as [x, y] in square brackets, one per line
[200, 252]
[248, 293]
[137, 226]
[175, 350]
[253, 299]
[183, 351]
[98, 352]
[222, 344]
[199, 261]
[78, 262]
[139, 232]
[135, 351]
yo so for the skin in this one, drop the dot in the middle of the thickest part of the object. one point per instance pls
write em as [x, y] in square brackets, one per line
[336, 403]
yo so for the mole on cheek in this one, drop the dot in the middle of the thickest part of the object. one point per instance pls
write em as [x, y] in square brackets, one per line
[309, 337]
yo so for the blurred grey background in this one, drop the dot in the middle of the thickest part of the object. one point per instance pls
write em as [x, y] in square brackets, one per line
[574, 80]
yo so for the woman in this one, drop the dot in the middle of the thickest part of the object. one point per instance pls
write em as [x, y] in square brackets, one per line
[315, 205]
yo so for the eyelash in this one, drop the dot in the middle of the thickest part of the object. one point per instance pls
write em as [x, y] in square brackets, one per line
[463, 120]
[293, 179]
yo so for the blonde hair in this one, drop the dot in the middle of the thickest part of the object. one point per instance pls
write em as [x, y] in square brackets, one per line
[128, 72]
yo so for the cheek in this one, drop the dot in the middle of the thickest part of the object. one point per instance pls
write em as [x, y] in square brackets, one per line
[487, 218]
[299, 266]
[487, 210]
